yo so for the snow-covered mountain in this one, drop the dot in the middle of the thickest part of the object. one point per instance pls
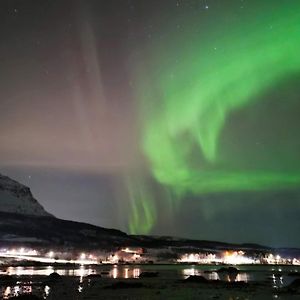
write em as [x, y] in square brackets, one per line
[17, 198]
[23, 220]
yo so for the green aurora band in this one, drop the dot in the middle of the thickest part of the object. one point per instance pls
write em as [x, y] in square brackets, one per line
[189, 89]
[142, 207]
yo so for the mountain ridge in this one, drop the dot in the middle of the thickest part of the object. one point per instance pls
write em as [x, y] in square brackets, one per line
[17, 198]
[32, 224]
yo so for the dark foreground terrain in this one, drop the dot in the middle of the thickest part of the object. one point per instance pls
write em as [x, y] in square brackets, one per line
[95, 286]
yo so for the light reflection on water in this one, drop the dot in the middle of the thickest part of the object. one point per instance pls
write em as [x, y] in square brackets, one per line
[18, 289]
[81, 272]
[136, 272]
[115, 272]
[215, 276]
[7, 292]
[176, 271]
[277, 281]
[46, 271]
[25, 286]
[46, 290]
[29, 271]
[277, 277]
[125, 273]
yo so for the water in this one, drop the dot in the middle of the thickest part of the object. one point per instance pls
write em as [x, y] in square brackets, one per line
[30, 279]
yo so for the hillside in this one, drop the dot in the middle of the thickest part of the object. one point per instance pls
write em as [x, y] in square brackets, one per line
[24, 221]
[45, 230]
[17, 198]
[50, 231]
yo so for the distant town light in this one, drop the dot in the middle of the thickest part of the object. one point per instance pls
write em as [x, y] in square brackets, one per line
[51, 254]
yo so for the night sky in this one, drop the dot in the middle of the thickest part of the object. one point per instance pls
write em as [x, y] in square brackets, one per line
[156, 117]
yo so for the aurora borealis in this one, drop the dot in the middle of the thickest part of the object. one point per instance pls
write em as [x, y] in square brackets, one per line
[174, 117]
[200, 83]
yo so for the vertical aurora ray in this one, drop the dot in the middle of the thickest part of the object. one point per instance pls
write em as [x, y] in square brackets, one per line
[143, 215]
[188, 93]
